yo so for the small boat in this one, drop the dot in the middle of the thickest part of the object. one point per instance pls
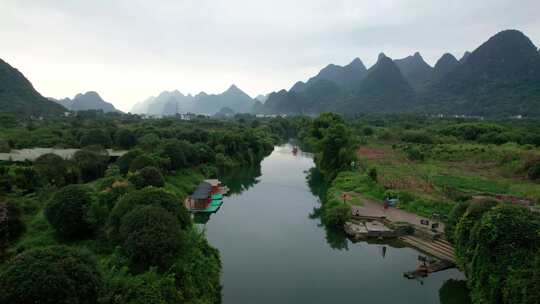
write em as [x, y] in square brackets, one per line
[207, 198]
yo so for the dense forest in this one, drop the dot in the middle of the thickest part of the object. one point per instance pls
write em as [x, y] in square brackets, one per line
[101, 229]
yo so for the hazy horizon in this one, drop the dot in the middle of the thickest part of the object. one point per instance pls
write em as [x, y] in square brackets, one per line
[128, 51]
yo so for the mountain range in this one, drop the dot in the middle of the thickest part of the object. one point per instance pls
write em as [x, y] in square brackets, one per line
[170, 103]
[500, 78]
[87, 101]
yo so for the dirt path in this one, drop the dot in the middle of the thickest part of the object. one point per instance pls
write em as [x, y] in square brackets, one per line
[395, 214]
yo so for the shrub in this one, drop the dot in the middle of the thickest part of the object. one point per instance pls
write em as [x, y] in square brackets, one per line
[338, 215]
[151, 237]
[148, 176]
[124, 161]
[148, 196]
[415, 154]
[52, 275]
[66, 211]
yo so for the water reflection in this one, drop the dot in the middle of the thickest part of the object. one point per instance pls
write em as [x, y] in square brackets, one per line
[241, 179]
[454, 292]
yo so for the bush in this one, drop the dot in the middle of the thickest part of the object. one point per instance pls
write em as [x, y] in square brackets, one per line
[148, 176]
[148, 196]
[66, 211]
[52, 275]
[151, 237]
[338, 215]
[415, 154]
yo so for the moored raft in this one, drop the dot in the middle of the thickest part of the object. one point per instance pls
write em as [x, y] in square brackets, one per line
[208, 197]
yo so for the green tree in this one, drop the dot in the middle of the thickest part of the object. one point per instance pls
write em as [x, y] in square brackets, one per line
[11, 227]
[52, 275]
[124, 161]
[462, 242]
[337, 150]
[148, 176]
[125, 139]
[151, 237]
[338, 215]
[454, 218]
[148, 196]
[143, 161]
[96, 137]
[67, 209]
[52, 169]
[92, 165]
[149, 287]
[505, 238]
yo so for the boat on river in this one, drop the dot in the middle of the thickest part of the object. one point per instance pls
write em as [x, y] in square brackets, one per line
[207, 198]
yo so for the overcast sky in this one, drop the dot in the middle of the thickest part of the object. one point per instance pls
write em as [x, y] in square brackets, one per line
[128, 50]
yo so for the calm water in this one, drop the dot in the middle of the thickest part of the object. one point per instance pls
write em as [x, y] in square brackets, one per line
[274, 249]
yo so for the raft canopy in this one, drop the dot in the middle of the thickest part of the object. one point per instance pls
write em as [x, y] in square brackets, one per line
[203, 191]
[212, 182]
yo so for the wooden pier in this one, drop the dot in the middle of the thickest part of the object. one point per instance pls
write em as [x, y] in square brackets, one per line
[440, 249]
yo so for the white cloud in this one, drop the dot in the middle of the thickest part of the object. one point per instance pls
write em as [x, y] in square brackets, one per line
[130, 49]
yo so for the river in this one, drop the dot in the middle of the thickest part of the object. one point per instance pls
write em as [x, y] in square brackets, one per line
[275, 250]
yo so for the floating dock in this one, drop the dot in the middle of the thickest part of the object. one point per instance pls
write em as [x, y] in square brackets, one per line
[207, 198]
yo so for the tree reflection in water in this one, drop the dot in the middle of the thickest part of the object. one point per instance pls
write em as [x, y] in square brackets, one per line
[336, 238]
[454, 292]
[241, 179]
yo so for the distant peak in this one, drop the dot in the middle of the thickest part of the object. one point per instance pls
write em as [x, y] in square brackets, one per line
[417, 55]
[357, 63]
[233, 87]
[381, 56]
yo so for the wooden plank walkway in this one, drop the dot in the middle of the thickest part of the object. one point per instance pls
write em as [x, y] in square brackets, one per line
[438, 248]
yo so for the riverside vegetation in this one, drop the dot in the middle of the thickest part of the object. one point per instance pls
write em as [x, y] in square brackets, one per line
[481, 176]
[91, 230]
